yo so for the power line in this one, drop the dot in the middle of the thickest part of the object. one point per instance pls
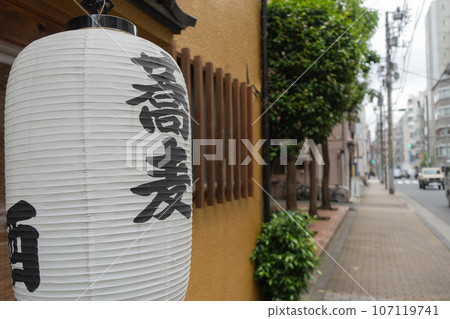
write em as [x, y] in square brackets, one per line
[407, 56]
[419, 75]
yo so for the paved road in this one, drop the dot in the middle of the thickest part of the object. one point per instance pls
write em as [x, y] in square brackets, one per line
[431, 198]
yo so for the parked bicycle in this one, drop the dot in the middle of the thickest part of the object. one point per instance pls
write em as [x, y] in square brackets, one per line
[338, 193]
[302, 192]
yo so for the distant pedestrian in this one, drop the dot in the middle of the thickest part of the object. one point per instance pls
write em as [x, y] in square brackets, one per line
[364, 179]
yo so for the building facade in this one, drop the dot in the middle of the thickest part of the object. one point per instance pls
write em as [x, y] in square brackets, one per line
[410, 139]
[441, 109]
[437, 31]
[398, 144]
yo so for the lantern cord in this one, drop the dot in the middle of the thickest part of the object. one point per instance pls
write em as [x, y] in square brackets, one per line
[103, 7]
[93, 6]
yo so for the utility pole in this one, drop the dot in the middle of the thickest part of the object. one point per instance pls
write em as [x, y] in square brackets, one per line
[391, 41]
[380, 105]
[389, 102]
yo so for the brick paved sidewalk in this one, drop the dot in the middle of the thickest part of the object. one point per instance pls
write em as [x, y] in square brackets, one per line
[389, 252]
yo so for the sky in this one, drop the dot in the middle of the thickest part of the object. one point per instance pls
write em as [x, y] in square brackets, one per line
[413, 81]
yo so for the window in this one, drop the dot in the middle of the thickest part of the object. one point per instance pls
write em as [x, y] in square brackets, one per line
[431, 171]
[441, 151]
[443, 112]
[442, 95]
[441, 131]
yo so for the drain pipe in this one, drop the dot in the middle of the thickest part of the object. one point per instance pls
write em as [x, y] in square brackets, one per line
[265, 117]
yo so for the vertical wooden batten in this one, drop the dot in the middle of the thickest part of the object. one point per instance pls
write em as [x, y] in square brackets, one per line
[244, 151]
[220, 165]
[186, 70]
[199, 175]
[250, 138]
[237, 138]
[209, 123]
[228, 135]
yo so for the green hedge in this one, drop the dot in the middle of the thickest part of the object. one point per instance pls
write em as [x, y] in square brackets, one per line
[285, 255]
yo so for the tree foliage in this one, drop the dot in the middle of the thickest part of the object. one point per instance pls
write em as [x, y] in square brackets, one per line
[330, 84]
[320, 55]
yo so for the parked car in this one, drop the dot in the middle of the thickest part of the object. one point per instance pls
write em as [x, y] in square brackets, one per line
[431, 176]
[397, 173]
[412, 173]
[447, 183]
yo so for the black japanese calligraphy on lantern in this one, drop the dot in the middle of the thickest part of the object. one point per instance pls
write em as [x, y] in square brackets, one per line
[23, 245]
[170, 186]
[168, 96]
[168, 112]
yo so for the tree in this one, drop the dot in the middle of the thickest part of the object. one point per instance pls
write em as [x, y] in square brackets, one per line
[355, 80]
[302, 42]
[427, 160]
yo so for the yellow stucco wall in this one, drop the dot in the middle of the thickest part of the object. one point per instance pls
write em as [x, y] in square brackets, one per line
[227, 33]
[224, 235]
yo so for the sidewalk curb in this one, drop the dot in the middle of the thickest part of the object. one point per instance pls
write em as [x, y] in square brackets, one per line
[440, 229]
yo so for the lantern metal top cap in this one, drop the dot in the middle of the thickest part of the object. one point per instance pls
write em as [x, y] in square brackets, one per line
[101, 21]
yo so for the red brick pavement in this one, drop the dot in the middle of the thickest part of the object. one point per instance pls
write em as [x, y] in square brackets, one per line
[325, 228]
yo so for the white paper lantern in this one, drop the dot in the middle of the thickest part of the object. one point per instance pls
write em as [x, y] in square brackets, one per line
[83, 222]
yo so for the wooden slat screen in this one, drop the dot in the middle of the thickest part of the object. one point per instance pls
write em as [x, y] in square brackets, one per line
[222, 108]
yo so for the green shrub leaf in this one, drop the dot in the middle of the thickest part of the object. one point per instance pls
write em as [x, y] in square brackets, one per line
[284, 255]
